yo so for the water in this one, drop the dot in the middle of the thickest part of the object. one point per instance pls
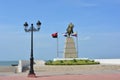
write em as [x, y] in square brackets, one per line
[8, 63]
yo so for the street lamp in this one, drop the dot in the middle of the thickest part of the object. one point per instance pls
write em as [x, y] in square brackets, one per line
[32, 29]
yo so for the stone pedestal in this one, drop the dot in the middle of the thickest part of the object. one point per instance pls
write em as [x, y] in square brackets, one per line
[70, 50]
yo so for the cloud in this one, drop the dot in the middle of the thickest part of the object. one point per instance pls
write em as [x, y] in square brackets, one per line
[85, 38]
[88, 4]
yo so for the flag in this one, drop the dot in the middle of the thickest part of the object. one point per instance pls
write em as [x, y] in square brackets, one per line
[55, 35]
[64, 34]
[74, 34]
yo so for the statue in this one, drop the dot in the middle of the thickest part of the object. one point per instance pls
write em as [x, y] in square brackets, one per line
[70, 29]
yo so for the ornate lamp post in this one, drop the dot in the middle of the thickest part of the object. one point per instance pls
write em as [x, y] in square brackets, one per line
[32, 29]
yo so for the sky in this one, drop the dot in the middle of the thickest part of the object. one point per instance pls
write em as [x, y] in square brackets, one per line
[96, 21]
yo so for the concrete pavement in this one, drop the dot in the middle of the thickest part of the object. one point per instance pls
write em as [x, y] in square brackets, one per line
[66, 77]
[94, 72]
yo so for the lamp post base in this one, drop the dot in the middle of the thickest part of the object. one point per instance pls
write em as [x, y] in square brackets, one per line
[32, 75]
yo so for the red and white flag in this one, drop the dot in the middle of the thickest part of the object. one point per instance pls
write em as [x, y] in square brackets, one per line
[55, 35]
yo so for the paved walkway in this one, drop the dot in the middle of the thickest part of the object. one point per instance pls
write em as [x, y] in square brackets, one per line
[91, 72]
[66, 77]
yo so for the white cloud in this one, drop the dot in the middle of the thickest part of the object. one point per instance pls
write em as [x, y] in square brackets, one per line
[85, 38]
[88, 4]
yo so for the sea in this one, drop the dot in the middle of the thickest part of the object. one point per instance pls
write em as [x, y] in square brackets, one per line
[8, 63]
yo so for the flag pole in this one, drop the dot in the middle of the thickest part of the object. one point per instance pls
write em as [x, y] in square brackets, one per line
[57, 47]
[77, 43]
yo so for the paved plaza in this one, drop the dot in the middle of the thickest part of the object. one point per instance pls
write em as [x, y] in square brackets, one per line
[66, 77]
[81, 72]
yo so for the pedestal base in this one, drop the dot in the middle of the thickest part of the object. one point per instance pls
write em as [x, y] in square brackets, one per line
[70, 50]
[31, 75]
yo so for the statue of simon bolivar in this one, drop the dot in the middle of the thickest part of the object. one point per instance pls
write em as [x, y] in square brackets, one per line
[70, 29]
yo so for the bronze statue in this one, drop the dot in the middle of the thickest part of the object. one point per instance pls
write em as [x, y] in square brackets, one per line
[70, 29]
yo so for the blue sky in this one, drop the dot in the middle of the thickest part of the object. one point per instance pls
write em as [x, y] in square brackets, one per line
[96, 21]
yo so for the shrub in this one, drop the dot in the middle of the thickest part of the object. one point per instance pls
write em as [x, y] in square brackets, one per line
[71, 62]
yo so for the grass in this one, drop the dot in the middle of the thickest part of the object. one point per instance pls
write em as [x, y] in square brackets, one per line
[71, 62]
